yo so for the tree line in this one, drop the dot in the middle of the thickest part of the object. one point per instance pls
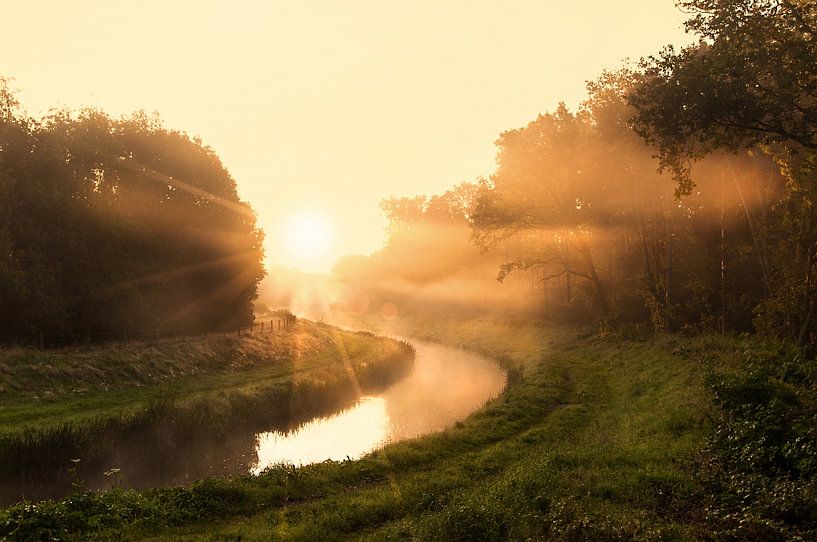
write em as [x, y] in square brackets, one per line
[112, 227]
[680, 195]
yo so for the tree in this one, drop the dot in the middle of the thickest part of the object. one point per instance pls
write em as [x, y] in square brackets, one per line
[113, 226]
[750, 82]
[545, 198]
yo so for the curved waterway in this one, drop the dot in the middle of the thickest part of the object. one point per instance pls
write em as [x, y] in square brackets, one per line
[445, 386]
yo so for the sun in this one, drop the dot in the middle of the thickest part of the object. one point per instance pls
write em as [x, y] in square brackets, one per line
[308, 237]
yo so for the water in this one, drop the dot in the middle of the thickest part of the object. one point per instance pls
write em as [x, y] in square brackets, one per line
[446, 385]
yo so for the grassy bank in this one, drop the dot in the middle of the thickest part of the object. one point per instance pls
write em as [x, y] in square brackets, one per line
[567, 439]
[600, 437]
[199, 409]
[83, 369]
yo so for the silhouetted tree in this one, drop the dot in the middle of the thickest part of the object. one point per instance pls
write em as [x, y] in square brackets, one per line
[114, 226]
[751, 82]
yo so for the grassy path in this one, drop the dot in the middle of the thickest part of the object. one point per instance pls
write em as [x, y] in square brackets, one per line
[593, 443]
[596, 438]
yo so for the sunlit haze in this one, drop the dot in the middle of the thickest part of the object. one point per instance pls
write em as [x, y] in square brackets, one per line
[309, 238]
[422, 402]
[342, 103]
[427, 270]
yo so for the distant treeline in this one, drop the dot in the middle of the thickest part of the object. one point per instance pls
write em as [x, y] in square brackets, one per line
[726, 240]
[115, 227]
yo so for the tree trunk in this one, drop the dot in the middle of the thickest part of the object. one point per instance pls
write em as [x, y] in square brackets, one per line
[598, 288]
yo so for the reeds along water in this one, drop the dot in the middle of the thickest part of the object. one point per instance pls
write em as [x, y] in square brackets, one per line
[174, 443]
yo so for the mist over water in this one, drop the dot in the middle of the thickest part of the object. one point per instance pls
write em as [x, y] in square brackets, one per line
[446, 385]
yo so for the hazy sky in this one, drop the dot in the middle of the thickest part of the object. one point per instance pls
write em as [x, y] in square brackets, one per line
[324, 108]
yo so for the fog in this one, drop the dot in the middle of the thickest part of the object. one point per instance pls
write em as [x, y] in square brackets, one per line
[577, 225]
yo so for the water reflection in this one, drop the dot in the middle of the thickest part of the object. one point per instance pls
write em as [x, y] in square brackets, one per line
[351, 433]
[445, 386]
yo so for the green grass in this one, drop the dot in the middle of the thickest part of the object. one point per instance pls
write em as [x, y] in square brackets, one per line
[592, 444]
[179, 371]
[596, 438]
[192, 413]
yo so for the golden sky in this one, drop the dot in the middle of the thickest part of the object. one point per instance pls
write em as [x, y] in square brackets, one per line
[320, 109]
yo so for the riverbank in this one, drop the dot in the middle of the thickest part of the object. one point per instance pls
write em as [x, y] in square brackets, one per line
[169, 413]
[600, 437]
[78, 370]
[565, 426]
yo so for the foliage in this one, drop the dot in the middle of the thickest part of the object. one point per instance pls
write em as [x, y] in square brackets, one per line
[580, 227]
[750, 82]
[117, 227]
[763, 449]
[758, 466]
[576, 203]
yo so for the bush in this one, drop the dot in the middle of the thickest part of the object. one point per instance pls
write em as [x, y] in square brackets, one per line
[763, 449]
